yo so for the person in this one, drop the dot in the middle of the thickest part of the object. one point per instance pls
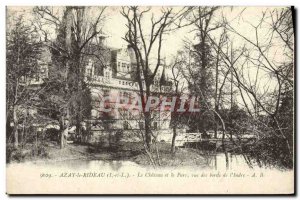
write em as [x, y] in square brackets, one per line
[83, 131]
[65, 134]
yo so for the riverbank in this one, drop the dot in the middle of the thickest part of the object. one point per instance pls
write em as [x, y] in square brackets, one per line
[130, 151]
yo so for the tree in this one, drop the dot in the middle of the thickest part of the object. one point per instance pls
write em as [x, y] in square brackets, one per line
[270, 56]
[22, 61]
[77, 31]
[147, 44]
[178, 119]
[201, 66]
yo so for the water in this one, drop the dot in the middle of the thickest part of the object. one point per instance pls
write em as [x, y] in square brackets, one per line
[214, 162]
[235, 162]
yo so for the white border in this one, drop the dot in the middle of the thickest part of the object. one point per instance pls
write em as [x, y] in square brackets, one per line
[3, 4]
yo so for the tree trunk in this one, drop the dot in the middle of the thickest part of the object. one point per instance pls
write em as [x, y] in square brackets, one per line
[148, 129]
[174, 139]
[23, 135]
[216, 123]
[15, 131]
[216, 97]
[62, 133]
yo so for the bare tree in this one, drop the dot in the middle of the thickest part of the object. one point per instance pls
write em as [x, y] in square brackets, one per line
[271, 57]
[146, 45]
[179, 89]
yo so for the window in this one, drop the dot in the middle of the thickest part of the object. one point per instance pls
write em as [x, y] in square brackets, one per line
[155, 125]
[107, 74]
[119, 66]
[128, 68]
[106, 93]
[89, 72]
[37, 77]
[141, 125]
[123, 94]
[96, 103]
[126, 114]
[123, 67]
[98, 71]
[125, 125]
[98, 68]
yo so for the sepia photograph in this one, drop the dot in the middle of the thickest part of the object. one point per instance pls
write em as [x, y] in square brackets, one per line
[150, 100]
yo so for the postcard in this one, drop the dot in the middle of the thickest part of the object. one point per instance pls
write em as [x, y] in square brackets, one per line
[150, 100]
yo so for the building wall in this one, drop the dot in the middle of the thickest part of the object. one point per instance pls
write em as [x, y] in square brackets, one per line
[118, 80]
[113, 76]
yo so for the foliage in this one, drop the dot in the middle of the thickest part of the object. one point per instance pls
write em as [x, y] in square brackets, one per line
[23, 52]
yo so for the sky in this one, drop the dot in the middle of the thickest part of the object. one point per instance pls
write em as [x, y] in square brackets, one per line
[116, 29]
[115, 25]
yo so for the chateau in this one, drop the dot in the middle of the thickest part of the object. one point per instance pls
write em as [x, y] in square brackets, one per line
[111, 73]
[115, 77]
